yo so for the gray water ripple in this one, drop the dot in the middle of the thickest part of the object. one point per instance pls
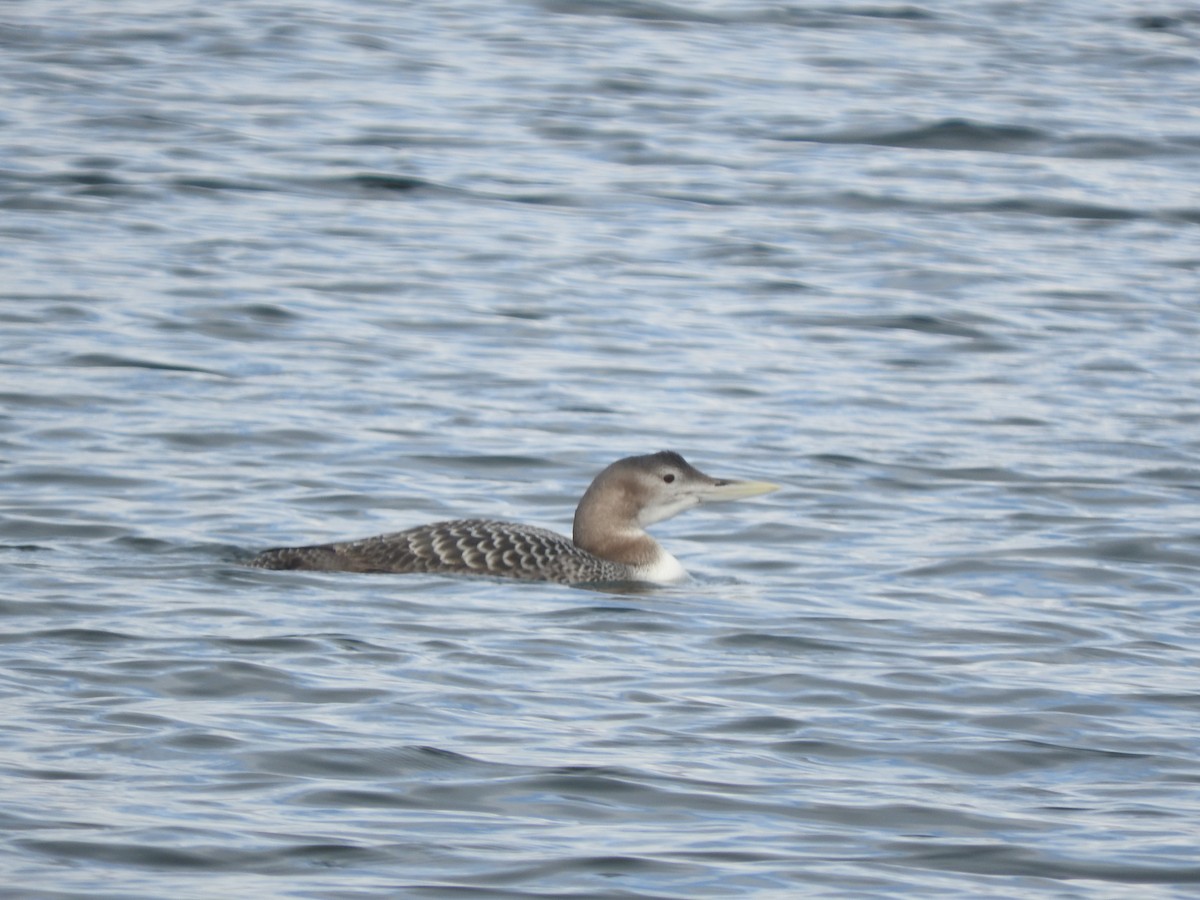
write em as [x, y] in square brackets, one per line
[967, 135]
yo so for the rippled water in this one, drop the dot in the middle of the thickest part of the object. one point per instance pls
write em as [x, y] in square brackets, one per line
[284, 274]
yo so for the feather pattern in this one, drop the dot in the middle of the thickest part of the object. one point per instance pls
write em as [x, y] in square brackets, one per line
[461, 547]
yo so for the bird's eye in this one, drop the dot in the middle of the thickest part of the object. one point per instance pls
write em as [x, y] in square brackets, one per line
[668, 478]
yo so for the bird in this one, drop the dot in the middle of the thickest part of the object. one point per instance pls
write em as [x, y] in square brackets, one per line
[609, 543]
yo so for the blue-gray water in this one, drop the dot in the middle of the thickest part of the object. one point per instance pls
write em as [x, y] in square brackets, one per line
[278, 273]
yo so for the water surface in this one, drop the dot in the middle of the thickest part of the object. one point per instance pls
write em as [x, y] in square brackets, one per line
[286, 275]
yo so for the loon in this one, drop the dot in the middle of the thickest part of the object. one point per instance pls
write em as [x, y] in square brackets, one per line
[609, 542]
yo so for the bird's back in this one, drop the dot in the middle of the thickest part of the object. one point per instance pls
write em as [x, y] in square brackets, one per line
[461, 547]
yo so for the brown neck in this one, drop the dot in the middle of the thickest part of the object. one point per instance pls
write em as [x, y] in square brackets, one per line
[606, 525]
[629, 548]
